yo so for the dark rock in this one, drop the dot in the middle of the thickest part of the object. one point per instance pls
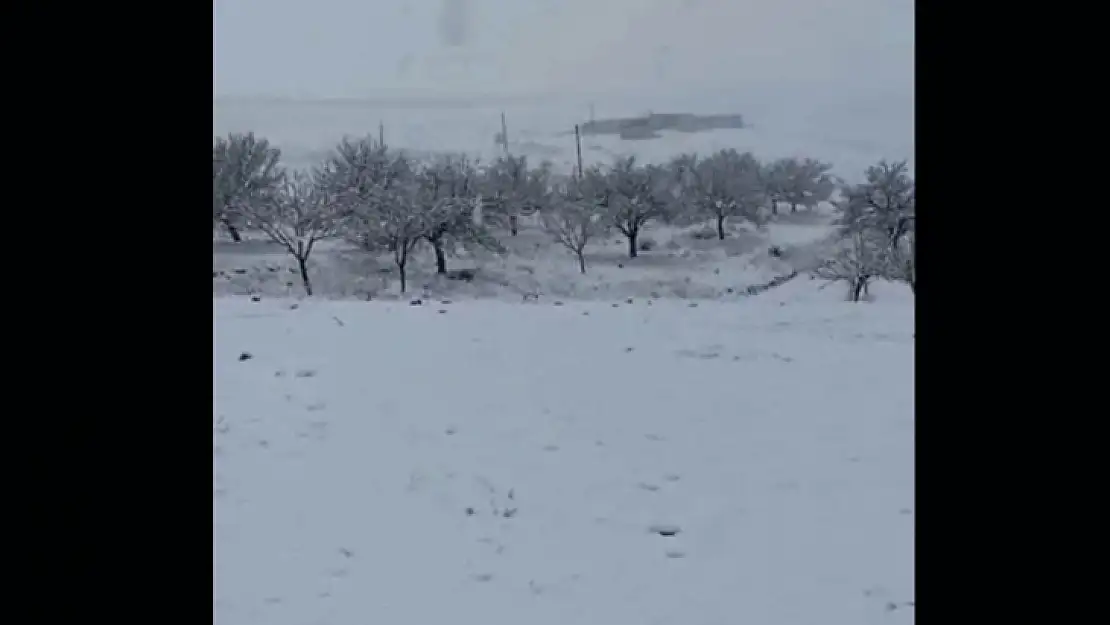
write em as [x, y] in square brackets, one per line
[464, 275]
[665, 530]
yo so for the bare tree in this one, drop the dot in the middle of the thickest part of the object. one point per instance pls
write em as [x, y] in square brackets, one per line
[858, 260]
[297, 216]
[772, 182]
[361, 168]
[574, 219]
[378, 190]
[511, 189]
[245, 169]
[724, 185]
[397, 224]
[633, 195]
[808, 183]
[885, 205]
[885, 202]
[446, 197]
[798, 182]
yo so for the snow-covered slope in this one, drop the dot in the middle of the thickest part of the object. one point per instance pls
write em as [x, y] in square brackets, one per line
[679, 265]
[496, 463]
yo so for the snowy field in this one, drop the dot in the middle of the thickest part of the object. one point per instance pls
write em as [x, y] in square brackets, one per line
[592, 463]
[698, 436]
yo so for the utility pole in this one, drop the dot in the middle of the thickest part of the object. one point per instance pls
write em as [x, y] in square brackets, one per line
[578, 148]
[513, 220]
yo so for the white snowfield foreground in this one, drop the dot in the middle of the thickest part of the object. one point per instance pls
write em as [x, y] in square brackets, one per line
[586, 464]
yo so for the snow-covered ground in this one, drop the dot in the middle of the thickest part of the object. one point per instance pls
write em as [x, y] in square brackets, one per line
[678, 265]
[646, 444]
[505, 463]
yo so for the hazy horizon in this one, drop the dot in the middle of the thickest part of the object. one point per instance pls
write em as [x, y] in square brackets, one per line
[810, 75]
[334, 49]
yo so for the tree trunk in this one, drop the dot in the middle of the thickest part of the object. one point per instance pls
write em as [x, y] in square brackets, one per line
[632, 236]
[302, 264]
[859, 285]
[512, 225]
[233, 231]
[582, 262]
[401, 257]
[441, 258]
[721, 227]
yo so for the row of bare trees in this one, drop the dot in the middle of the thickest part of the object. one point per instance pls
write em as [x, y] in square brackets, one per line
[385, 200]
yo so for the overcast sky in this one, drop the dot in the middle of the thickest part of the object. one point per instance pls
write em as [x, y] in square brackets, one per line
[368, 48]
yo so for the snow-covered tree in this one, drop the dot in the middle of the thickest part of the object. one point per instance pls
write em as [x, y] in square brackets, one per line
[298, 215]
[378, 190]
[632, 195]
[360, 167]
[885, 206]
[446, 196]
[724, 185]
[395, 222]
[574, 218]
[510, 189]
[885, 202]
[859, 258]
[798, 182]
[245, 170]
